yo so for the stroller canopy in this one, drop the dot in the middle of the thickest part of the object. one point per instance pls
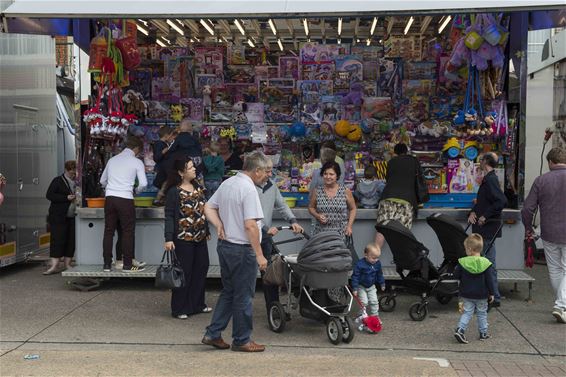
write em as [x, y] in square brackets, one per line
[450, 234]
[325, 252]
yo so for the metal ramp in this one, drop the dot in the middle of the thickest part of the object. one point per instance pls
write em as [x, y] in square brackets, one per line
[503, 276]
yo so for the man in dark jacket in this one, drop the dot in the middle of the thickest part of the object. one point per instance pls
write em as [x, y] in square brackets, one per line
[476, 287]
[486, 213]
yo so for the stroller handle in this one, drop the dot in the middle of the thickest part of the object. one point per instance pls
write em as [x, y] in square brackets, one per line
[287, 227]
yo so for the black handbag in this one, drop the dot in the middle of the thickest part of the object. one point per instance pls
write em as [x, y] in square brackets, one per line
[421, 186]
[169, 275]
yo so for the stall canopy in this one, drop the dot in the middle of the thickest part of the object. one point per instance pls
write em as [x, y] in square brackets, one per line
[264, 8]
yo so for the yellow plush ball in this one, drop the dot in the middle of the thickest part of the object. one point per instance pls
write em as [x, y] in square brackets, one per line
[355, 133]
[342, 128]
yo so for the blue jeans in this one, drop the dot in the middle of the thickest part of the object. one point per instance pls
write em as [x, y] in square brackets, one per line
[471, 306]
[238, 271]
[490, 254]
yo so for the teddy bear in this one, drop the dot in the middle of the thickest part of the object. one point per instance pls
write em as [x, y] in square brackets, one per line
[176, 113]
[239, 113]
[134, 103]
[355, 95]
[206, 100]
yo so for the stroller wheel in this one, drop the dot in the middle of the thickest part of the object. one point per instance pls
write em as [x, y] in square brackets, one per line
[443, 299]
[348, 330]
[277, 317]
[418, 311]
[334, 330]
[387, 303]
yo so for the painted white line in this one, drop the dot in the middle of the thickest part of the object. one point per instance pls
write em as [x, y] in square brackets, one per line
[443, 363]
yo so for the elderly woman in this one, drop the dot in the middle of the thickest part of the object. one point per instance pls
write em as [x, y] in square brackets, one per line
[61, 218]
[186, 232]
[332, 204]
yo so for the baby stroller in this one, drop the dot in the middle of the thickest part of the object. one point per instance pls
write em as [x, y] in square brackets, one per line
[451, 236]
[317, 283]
[422, 277]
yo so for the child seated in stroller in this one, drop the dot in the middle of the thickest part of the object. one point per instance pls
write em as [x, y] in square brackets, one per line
[367, 274]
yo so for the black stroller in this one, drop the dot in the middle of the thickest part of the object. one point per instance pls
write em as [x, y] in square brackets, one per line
[317, 283]
[417, 272]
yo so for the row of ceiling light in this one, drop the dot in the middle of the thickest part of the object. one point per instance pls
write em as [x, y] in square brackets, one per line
[177, 25]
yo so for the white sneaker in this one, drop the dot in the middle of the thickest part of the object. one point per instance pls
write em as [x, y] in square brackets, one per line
[118, 264]
[137, 263]
[559, 314]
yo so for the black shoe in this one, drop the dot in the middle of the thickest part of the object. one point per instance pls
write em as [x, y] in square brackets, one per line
[107, 267]
[484, 336]
[460, 337]
[494, 304]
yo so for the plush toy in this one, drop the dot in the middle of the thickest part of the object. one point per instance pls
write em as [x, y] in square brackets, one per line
[176, 113]
[134, 103]
[206, 92]
[239, 113]
[342, 128]
[355, 133]
[432, 128]
[355, 95]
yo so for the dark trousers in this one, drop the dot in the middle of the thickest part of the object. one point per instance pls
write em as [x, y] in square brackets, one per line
[119, 243]
[123, 211]
[193, 258]
[238, 270]
[491, 255]
[62, 238]
[270, 292]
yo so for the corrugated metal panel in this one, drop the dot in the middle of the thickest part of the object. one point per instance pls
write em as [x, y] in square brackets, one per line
[200, 8]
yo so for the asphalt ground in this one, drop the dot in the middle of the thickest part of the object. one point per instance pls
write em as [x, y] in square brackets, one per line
[125, 328]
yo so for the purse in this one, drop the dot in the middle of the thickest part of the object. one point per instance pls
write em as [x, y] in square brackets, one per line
[421, 186]
[275, 272]
[349, 241]
[169, 275]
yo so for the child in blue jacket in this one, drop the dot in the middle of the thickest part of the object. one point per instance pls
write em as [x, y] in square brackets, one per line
[367, 274]
[476, 287]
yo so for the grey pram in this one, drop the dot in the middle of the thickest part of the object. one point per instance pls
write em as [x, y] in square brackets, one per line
[317, 283]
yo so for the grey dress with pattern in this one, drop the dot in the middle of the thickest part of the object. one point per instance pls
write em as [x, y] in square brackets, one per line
[335, 209]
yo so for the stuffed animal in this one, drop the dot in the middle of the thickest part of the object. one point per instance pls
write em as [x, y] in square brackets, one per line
[355, 133]
[342, 128]
[355, 95]
[206, 92]
[432, 128]
[239, 113]
[176, 113]
[134, 103]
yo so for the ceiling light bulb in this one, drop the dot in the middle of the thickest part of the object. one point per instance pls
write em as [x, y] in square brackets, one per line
[373, 25]
[160, 43]
[206, 26]
[339, 41]
[368, 42]
[251, 43]
[340, 26]
[176, 27]
[446, 21]
[411, 20]
[239, 26]
[306, 25]
[142, 29]
[280, 44]
[272, 26]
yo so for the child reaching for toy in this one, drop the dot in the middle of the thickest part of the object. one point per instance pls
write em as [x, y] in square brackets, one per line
[476, 287]
[369, 189]
[367, 274]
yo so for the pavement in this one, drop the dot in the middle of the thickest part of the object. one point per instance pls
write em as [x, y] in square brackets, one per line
[125, 329]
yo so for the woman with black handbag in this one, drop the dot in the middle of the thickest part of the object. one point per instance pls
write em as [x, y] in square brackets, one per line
[186, 233]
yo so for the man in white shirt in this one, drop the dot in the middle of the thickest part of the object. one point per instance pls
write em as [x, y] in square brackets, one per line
[119, 178]
[236, 213]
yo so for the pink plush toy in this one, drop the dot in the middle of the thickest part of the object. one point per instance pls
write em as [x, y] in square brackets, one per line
[355, 95]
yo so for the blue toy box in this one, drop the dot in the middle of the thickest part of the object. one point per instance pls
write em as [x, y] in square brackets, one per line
[450, 201]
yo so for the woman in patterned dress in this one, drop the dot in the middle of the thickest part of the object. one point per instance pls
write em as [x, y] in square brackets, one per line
[186, 232]
[332, 204]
